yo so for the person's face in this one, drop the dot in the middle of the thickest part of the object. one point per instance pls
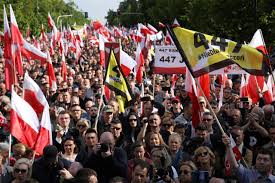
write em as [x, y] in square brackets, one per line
[76, 112]
[21, 172]
[238, 136]
[81, 127]
[139, 152]
[147, 108]
[93, 111]
[116, 129]
[64, 120]
[66, 97]
[133, 121]
[154, 140]
[215, 108]
[154, 122]
[263, 163]
[108, 116]
[272, 134]
[139, 175]
[202, 104]
[18, 153]
[236, 116]
[202, 133]
[226, 94]
[92, 179]
[156, 157]
[180, 131]
[174, 144]
[88, 105]
[203, 156]
[175, 105]
[91, 139]
[69, 146]
[185, 174]
[208, 120]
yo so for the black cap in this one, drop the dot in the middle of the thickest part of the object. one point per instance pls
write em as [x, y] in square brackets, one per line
[50, 152]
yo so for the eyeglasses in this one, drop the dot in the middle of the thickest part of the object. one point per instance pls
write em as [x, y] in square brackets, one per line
[201, 102]
[114, 128]
[206, 119]
[81, 126]
[132, 119]
[17, 170]
[203, 154]
[76, 110]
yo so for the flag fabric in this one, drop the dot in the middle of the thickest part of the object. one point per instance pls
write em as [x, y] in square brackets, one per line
[258, 42]
[16, 43]
[206, 53]
[23, 120]
[127, 63]
[33, 95]
[102, 40]
[10, 76]
[31, 52]
[51, 74]
[45, 133]
[237, 153]
[117, 82]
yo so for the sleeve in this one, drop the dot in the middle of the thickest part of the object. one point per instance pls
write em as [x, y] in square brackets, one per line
[175, 173]
[242, 173]
[120, 163]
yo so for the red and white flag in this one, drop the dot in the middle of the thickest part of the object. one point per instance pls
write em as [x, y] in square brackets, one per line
[45, 133]
[34, 95]
[140, 62]
[152, 29]
[24, 121]
[51, 74]
[16, 43]
[10, 76]
[31, 52]
[127, 63]
[43, 36]
[102, 40]
[51, 23]
[237, 153]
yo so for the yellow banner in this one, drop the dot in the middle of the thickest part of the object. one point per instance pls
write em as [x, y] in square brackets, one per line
[115, 80]
[207, 53]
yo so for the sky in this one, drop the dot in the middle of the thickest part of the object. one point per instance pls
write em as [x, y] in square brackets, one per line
[97, 9]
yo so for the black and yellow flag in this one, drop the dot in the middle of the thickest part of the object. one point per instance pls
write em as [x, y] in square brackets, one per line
[115, 80]
[204, 53]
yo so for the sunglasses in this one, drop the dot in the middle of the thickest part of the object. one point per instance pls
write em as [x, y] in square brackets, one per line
[185, 172]
[116, 128]
[206, 119]
[203, 154]
[17, 170]
[132, 119]
[81, 126]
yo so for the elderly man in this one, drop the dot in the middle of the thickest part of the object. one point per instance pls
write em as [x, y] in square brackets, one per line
[108, 161]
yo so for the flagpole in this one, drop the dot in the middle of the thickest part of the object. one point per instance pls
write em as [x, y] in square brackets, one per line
[99, 106]
[9, 148]
[154, 83]
[196, 80]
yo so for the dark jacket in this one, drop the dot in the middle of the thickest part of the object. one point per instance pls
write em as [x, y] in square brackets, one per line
[107, 168]
[45, 174]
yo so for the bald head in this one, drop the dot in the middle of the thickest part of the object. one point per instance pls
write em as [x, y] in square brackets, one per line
[107, 137]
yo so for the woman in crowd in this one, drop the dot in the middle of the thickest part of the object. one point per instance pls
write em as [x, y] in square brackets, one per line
[175, 150]
[70, 149]
[82, 125]
[163, 170]
[21, 170]
[132, 127]
[185, 171]
[204, 159]
[5, 171]
[154, 139]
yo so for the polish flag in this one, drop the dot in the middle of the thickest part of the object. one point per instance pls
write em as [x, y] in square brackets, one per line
[144, 30]
[33, 95]
[63, 68]
[45, 133]
[258, 43]
[152, 29]
[43, 36]
[97, 25]
[51, 74]
[140, 62]
[10, 77]
[51, 23]
[17, 43]
[31, 52]
[117, 32]
[127, 63]
[161, 25]
[243, 88]
[102, 40]
[23, 120]
[237, 153]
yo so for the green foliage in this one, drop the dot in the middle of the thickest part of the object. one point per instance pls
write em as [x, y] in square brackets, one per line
[236, 20]
[34, 13]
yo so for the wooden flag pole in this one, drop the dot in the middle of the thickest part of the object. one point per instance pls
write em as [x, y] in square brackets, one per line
[209, 106]
[99, 106]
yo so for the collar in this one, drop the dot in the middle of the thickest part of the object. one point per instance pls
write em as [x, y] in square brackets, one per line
[240, 147]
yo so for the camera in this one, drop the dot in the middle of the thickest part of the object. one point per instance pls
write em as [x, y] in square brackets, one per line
[104, 147]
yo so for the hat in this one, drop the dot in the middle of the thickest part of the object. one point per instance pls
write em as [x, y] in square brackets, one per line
[201, 99]
[108, 108]
[175, 100]
[50, 152]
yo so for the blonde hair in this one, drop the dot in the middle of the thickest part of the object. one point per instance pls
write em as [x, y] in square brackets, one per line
[200, 149]
[26, 162]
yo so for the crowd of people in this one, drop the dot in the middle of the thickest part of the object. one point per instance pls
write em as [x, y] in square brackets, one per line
[152, 141]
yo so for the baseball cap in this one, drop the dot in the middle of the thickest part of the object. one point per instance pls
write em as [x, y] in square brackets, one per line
[108, 108]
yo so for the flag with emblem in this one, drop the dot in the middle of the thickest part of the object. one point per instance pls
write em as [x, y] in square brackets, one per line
[116, 81]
